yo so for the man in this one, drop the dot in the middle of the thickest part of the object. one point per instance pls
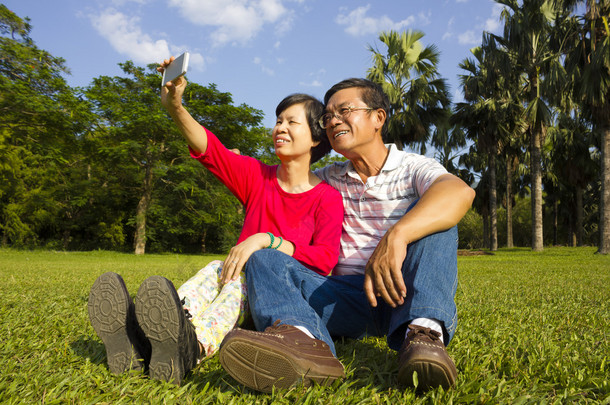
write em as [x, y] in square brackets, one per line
[397, 271]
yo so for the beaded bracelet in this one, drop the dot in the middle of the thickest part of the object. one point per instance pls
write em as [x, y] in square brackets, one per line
[278, 245]
[272, 240]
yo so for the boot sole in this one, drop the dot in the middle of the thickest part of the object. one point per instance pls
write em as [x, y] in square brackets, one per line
[429, 375]
[262, 368]
[108, 308]
[158, 312]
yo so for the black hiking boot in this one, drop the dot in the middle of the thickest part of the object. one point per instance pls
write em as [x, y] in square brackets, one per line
[175, 348]
[112, 315]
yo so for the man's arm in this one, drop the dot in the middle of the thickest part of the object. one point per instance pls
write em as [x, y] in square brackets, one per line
[441, 207]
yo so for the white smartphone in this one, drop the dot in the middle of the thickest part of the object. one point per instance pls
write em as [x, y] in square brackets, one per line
[176, 69]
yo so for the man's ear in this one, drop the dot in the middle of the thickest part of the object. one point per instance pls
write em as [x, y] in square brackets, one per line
[380, 117]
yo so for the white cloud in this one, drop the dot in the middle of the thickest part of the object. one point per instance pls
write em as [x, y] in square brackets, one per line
[259, 62]
[126, 37]
[450, 22]
[119, 3]
[468, 38]
[449, 34]
[315, 81]
[196, 61]
[492, 24]
[423, 19]
[236, 21]
[358, 23]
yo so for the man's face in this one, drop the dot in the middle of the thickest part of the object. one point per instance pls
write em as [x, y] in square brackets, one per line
[354, 131]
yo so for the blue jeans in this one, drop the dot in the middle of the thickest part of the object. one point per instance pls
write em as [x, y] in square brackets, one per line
[279, 287]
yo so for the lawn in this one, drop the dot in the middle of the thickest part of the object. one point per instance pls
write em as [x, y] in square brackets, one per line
[534, 328]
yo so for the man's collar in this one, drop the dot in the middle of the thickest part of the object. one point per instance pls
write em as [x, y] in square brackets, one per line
[392, 162]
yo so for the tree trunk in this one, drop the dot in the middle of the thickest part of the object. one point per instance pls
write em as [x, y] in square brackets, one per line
[535, 162]
[509, 202]
[486, 238]
[493, 201]
[571, 238]
[555, 221]
[141, 212]
[604, 209]
[66, 239]
[579, 215]
[203, 237]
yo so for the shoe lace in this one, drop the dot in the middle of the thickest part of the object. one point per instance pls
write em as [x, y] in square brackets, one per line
[420, 332]
[275, 327]
[187, 314]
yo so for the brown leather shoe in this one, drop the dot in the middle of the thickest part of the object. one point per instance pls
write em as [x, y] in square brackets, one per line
[279, 357]
[424, 352]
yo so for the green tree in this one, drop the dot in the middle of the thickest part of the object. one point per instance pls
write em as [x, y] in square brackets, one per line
[588, 72]
[41, 120]
[489, 114]
[135, 135]
[408, 73]
[194, 206]
[171, 199]
[449, 143]
[574, 168]
[527, 37]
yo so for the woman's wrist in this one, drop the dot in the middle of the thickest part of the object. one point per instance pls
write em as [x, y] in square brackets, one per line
[274, 241]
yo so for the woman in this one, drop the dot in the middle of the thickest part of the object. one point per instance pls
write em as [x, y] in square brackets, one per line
[287, 208]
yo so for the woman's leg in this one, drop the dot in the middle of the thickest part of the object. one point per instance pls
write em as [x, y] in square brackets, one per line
[225, 312]
[201, 289]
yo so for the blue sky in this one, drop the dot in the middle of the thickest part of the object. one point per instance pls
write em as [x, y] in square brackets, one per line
[257, 50]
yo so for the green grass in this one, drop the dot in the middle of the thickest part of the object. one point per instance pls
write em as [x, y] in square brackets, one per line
[534, 328]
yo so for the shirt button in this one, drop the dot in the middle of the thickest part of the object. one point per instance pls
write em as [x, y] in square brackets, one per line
[363, 199]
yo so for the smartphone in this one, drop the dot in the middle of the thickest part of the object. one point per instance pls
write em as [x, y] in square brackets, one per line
[176, 69]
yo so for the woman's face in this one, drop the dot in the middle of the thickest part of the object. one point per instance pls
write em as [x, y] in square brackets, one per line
[291, 134]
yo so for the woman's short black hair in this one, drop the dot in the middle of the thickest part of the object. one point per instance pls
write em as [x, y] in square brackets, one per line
[313, 110]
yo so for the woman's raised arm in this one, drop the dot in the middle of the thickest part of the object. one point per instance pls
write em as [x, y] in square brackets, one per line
[171, 98]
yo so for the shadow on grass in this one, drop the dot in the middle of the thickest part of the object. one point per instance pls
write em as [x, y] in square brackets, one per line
[88, 347]
[369, 363]
[208, 373]
[212, 374]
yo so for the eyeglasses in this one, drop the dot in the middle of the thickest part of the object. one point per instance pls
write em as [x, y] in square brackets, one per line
[341, 115]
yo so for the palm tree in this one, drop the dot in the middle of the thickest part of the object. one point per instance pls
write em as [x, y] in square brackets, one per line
[449, 142]
[588, 70]
[488, 115]
[573, 165]
[528, 29]
[408, 73]
[513, 151]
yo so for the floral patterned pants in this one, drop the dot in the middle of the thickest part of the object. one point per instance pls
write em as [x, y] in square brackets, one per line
[215, 308]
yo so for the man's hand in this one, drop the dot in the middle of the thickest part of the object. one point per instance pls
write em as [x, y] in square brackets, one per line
[383, 272]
